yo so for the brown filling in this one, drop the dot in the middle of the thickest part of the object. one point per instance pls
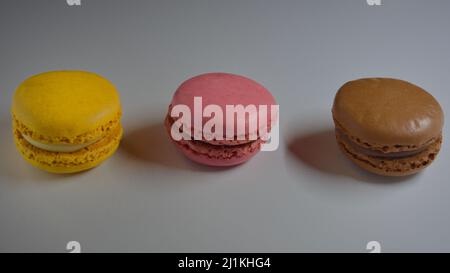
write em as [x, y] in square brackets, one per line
[378, 154]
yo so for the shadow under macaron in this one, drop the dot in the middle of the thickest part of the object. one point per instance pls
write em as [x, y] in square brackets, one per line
[151, 144]
[320, 151]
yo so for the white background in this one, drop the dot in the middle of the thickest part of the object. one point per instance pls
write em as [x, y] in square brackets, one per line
[305, 196]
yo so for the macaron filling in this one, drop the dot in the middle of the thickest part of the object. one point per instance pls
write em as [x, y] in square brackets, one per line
[61, 148]
[227, 142]
[215, 142]
[217, 149]
[378, 154]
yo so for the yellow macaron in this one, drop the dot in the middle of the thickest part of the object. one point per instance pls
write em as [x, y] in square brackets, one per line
[66, 121]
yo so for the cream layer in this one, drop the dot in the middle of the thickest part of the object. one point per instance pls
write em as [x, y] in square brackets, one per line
[61, 148]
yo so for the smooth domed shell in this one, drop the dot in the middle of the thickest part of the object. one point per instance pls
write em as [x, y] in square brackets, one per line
[388, 112]
[65, 104]
[224, 89]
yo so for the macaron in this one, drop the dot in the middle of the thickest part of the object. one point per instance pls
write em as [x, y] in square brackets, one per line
[388, 126]
[66, 121]
[221, 90]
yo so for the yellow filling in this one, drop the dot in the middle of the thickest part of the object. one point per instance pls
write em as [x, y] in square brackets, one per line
[62, 148]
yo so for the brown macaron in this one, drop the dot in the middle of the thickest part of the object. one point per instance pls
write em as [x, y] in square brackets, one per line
[388, 126]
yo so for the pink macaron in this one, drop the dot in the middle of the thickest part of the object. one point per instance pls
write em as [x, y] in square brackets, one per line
[201, 123]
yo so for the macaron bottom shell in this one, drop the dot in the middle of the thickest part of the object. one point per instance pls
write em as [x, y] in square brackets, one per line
[59, 162]
[215, 155]
[390, 166]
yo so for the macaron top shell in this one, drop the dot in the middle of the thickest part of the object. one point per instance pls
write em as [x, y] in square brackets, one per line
[388, 111]
[65, 106]
[223, 89]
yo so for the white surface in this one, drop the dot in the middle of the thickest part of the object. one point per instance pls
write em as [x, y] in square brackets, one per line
[305, 196]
